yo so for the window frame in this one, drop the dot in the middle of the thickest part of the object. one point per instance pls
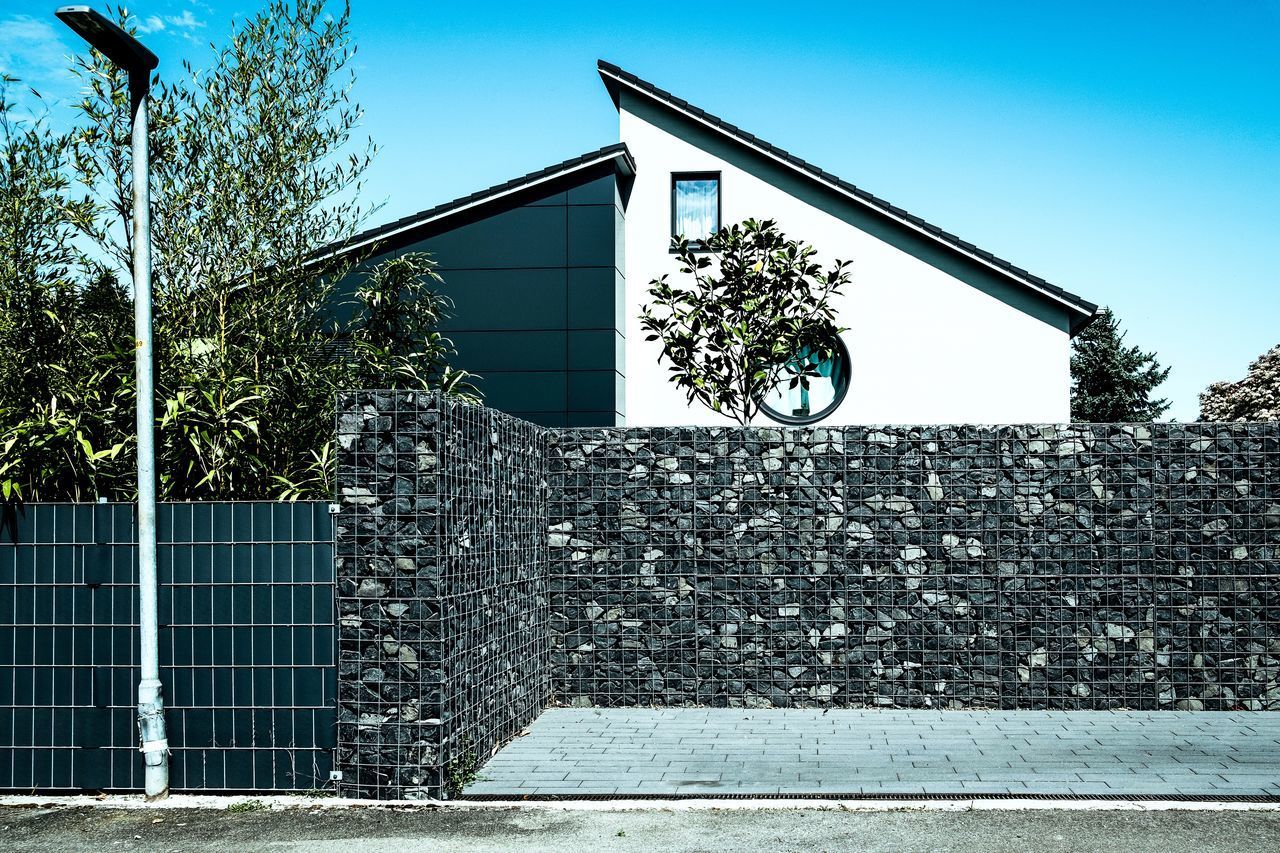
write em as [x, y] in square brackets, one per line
[676, 177]
[840, 352]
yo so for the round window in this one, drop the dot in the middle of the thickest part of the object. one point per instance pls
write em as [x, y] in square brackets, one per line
[791, 402]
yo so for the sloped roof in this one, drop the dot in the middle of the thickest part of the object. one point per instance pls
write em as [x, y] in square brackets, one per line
[616, 153]
[1082, 311]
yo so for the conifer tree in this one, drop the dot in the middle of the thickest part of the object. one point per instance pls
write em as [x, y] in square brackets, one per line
[1111, 382]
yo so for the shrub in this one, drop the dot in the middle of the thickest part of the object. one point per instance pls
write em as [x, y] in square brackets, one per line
[256, 171]
[755, 301]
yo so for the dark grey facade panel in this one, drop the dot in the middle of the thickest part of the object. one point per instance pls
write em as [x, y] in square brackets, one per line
[596, 299]
[594, 349]
[588, 387]
[534, 188]
[538, 291]
[553, 420]
[601, 190]
[542, 350]
[571, 419]
[592, 235]
[525, 237]
[591, 419]
[542, 391]
[555, 199]
[505, 299]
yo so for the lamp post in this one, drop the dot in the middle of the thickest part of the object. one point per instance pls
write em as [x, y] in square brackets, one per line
[131, 56]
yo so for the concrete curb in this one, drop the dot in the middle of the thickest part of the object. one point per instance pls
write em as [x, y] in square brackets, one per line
[221, 802]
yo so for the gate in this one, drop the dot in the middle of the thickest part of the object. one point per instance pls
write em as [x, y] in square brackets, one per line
[246, 646]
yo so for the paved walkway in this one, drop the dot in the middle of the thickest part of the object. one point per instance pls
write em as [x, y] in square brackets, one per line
[717, 751]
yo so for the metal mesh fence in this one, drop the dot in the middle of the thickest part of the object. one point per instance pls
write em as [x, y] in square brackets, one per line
[246, 645]
[1090, 566]
[442, 589]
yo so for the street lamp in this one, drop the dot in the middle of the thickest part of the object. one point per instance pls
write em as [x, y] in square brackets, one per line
[131, 56]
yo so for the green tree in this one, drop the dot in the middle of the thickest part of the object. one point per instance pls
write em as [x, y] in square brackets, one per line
[64, 328]
[756, 301]
[1111, 382]
[1256, 397]
[257, 169]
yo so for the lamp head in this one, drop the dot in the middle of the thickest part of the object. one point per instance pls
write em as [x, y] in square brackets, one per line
[108, 38]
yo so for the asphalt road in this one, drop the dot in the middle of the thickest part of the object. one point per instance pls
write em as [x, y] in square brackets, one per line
[537, 829]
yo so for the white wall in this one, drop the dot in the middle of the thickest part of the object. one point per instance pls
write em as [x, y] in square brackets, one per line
[924, 346]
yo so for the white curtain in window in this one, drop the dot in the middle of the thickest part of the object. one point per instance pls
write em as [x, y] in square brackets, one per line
[697, 208]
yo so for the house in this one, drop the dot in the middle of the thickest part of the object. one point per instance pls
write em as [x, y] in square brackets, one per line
[548, 273]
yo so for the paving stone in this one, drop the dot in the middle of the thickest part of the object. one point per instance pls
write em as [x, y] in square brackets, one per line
[811, 754]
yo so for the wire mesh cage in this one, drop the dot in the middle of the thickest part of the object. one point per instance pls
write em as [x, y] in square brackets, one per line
[1056, 567]
[442, 591]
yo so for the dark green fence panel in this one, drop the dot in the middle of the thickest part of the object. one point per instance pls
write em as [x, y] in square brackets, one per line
[246, 646]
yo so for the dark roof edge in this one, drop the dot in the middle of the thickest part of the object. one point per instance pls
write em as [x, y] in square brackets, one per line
[616, 152]
[1083, 310]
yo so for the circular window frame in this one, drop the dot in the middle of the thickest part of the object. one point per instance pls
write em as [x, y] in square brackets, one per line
[841, 352]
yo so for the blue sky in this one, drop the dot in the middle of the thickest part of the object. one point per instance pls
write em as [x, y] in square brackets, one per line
[1127, 152]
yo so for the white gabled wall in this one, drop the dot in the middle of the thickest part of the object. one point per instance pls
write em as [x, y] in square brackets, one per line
[925, 346]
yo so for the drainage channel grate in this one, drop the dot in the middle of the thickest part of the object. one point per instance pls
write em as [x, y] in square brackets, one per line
[1177, 798]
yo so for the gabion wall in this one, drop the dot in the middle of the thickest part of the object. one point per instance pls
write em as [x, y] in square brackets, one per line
[1073, 567]
[442, 598]
[487, 567]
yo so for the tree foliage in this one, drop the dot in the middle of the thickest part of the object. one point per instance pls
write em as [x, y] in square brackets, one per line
[1256, 397]
[256, 169]
[1111, 382]
[755, 301]
[65, 328]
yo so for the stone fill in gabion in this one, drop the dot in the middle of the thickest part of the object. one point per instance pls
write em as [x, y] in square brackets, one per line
[488, 567]
[442, 589]
[1039, 567]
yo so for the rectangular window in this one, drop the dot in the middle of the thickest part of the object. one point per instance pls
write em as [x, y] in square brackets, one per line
[695, 205]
